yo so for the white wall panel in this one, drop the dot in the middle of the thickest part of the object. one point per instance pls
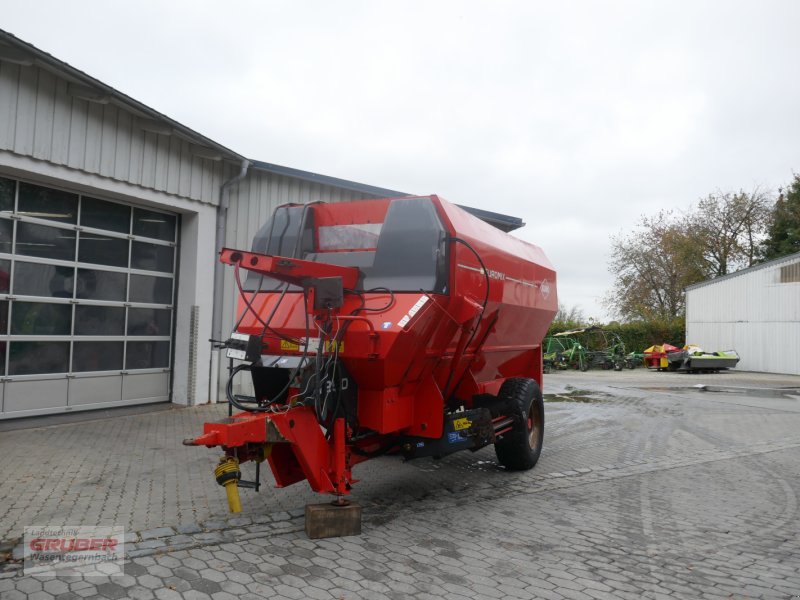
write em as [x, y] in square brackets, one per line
[62, 113]
[753, 313]
[8, 104]
[25, 111]
[45, 112]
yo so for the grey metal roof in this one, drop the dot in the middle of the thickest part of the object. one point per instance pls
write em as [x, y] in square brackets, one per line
[14, 49]
[771, 263]
[326, 180]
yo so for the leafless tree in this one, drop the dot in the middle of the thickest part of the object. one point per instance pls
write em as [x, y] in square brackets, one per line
[728, 228]
[572, 315]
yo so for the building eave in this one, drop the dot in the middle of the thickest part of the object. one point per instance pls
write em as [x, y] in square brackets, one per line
[772, 263]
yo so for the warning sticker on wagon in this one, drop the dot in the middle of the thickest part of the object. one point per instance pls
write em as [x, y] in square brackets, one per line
[462, 423]
[313, 345]
[412, 311]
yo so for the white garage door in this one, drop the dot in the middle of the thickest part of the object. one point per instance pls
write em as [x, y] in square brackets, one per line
[86, 301]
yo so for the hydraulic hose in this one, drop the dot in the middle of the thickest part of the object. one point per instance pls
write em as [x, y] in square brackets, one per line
[237, 400]
[446, 387]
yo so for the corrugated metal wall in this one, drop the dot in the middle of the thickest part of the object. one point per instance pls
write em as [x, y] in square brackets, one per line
[754, 313]
[252, 203]
[39, 117]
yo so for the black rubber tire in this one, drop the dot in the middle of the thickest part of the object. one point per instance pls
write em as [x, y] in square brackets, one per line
[519, 449]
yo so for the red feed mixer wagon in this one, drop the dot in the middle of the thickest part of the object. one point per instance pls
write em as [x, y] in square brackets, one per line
[398, 326]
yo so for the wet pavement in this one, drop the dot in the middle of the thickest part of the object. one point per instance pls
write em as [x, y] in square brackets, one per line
[649, 485]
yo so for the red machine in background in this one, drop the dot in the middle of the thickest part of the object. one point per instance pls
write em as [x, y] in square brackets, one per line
[402, 326]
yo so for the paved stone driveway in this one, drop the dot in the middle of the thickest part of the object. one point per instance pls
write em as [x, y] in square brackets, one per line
[640, 493]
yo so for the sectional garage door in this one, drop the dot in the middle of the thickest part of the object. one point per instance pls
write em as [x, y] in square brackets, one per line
[86, 301]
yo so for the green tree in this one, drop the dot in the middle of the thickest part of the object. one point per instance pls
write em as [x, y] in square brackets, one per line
[652, 265]
[783, 230]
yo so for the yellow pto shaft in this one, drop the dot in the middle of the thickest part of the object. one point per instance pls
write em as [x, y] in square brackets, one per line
[228, 474]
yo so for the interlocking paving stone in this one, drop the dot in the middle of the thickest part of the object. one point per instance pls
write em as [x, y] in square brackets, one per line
[644, 494]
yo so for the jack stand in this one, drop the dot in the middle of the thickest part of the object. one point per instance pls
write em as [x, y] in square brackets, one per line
[339, 518]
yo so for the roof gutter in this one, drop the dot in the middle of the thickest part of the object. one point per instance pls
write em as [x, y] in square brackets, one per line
[222, 223]
[219, 278]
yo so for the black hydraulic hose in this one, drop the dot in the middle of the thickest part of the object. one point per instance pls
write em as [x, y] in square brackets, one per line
[234, 400]
[261, 278]
[485, 274]
[483, 308]
[301, 227]
[379, 309]
[248, 302]
[392, 301]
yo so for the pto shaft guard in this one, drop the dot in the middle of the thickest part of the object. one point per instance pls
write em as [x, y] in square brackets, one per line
[299, 450]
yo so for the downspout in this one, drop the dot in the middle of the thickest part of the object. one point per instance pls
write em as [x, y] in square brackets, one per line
[219, 276]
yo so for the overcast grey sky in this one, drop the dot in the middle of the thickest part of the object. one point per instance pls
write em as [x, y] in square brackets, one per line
[576, 116]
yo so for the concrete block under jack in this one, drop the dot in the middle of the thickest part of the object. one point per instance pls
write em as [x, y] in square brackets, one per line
[327, 520]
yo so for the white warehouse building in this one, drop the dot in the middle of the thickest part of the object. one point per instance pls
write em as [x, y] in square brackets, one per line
[755, 311]
[111, 215]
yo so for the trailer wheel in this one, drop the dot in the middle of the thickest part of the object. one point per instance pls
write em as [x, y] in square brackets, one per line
[519, 449]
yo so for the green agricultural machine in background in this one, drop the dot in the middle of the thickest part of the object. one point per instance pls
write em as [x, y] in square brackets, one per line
[563, 352]
[586, 348]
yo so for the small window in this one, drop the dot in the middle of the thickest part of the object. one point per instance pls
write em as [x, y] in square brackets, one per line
[154, 290]
[34, 279]
[47, 203]
[97, 356]
[6, 235]
[94, 284]
[99, 320]
[105, 215]
[45, 242]
[103, 250]
[7, 187]
[790, 273]
[34, 358]
[152, 257]
[149, 321]
[359, 236]
[41, 318]
[148, 223]
[147, 355]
